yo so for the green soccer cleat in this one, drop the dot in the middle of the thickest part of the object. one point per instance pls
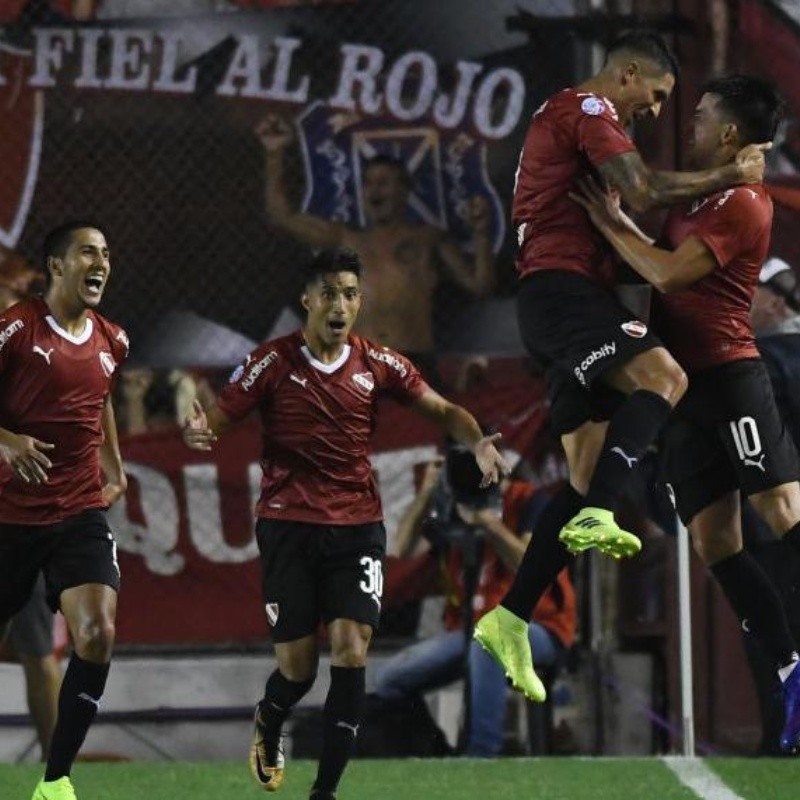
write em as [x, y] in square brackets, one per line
[266, 765]
[504, 636]
[62, 789]
[596, 527]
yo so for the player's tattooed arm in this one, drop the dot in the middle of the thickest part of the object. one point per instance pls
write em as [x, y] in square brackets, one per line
[666, 270]
[643, 188]
[110, 458]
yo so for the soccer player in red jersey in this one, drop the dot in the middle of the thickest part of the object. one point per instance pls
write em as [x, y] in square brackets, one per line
[320, 531]
[726, 436]
[594, 349]
[58, 359]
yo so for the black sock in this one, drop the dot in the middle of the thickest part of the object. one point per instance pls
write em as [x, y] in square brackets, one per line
[758, 606]
[78, 702]
[633, 429]
[792, 537]
[280, 697]
[342, 715]
[544, 556]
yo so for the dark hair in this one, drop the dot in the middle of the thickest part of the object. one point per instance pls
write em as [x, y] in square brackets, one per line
[753, 103]
[385, 160]
[649, 44]
[58, 240]
[339, 260]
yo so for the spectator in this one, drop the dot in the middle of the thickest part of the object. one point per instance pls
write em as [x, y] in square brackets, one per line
[403, 261]
[775, 314]
[454, 521]
[30, 638]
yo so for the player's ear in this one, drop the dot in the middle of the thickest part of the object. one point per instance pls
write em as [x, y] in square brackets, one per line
[730, 135]
[304, 301]
[55, 266]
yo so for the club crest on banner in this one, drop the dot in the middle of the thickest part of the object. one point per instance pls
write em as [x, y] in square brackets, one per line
[446, 167]
[21, 124]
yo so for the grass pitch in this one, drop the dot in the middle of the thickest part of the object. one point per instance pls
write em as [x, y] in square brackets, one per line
[430, 779]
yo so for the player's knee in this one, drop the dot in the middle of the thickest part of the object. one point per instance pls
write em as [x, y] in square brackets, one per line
[94, 640]
[350, 650]
[712, 549]
[660, 373]
[779, 507]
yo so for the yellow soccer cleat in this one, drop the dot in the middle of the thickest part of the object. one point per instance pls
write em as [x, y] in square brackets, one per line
[596, 527]
[504, 636]
[267, 768]
[62, 789]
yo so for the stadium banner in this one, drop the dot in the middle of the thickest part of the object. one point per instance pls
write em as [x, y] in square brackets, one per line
[148, 125]
[185, 539]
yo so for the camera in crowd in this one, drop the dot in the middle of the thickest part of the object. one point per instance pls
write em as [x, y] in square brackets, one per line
[459, 484]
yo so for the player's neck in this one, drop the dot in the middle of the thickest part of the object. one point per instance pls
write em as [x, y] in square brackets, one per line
[69, 317]
[324, 353]
[602, 84]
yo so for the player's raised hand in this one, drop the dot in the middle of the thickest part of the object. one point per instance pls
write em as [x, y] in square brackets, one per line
[196, 433]
[27, 457]
[750, 161]
[274, 132]
[490, 462]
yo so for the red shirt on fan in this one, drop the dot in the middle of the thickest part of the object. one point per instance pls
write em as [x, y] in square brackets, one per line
[708, 323]
[53, 386]
[317, 421]
[570, 134]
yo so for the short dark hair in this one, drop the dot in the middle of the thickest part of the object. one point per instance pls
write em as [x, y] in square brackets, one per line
[58, 240]
[752, 102]
[385, 160]
[324, 262]
[649, 44]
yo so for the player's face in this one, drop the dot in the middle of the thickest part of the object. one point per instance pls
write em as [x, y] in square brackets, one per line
[644, 94]
[83, 272]
[385, 194]
[707, 133]
[332, 302]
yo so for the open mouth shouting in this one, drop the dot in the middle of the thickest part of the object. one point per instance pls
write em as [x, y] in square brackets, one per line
[94, 284]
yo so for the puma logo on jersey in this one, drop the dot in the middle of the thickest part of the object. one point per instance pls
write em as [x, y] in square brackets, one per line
[630, 460]
[42, 353]
[751, 462]
[301, 381]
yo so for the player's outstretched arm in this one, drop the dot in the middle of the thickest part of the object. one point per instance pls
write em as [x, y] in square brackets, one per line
[203, 427]
[110, 458]
[26, 456]
[666, 270]
[461, 426]
[275, 133]
[643, 188]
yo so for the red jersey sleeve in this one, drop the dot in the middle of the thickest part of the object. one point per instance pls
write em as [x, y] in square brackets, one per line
[11, 326]
[600, 136]
[734, 223]
[397, 376]
[250, 383]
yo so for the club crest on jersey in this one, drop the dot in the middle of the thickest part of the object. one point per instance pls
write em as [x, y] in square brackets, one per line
[593, 106]
[107, 363]
[634, 328]
[365, 381]
[272, 613]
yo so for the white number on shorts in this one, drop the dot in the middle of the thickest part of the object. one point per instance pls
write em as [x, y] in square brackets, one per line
[745, 437]
[373, 571]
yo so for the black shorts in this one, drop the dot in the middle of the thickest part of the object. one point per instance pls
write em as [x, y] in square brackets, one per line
[73, 552]
[726, 435]
[312, 573]
[577, 331]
